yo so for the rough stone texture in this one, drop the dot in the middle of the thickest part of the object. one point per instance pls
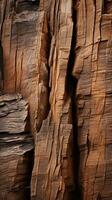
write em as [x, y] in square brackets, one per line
[53, 162]
[58, 55]
[25, 42]
[92, 67]
[36, 42]
[16, 149]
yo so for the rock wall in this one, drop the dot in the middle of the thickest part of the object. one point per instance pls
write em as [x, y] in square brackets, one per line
[93, 69]
[16, 148]
[57, 54]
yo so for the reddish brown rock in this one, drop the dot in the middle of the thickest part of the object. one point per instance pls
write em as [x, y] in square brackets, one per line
[53, 162]
[36, 57]
[93, 69]
[57, 54]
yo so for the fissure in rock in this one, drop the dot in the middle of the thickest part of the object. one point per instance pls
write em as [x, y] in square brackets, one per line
[71, 86]
[30, 168]
[107, 7]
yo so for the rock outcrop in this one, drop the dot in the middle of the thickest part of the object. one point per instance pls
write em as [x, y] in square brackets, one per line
[92, 67]
[58, 55]
[16, 148]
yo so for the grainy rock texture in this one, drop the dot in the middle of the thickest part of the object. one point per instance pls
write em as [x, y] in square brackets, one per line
[16, 148]
[58, 55]
[92, 66]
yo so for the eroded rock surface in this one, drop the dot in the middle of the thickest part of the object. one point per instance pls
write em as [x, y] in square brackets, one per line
[16, 148]
[58, 55]
[92, 67]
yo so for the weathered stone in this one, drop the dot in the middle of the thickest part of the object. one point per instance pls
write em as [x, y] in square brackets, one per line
[93, 69]
[53, 162]
[57, 54]
[16, 148]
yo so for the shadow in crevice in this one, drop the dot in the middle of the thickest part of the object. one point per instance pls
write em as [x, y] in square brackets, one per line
[30, 164]
[70, 88]
[107, 7]
[25, 5]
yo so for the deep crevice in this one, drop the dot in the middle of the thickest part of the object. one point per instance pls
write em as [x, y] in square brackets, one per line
[30, 156]
[107, 7]
[29, 172]
[99, 196]
[70, 88]
[48, 47]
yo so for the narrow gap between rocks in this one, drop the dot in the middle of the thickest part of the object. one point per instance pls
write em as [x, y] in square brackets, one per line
[30, 164]
[48, 67]
[107, 7]
[30, 160]
[70, 87]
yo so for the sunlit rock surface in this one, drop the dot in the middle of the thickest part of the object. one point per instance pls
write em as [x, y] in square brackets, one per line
[58, 55]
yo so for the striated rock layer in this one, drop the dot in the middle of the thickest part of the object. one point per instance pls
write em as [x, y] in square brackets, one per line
[92, 67]
[16, 149]
[58, 55]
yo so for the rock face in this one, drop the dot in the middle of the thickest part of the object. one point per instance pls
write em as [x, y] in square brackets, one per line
[16, 149]
[58, 55]
[94, 95]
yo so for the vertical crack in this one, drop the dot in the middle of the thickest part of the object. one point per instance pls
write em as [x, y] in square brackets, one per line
[1, 69]
[70, 88]
[48, 47]
[29, 171]
[99, 196]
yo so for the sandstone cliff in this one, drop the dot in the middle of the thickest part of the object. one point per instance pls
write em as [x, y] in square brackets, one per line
[57, 54]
